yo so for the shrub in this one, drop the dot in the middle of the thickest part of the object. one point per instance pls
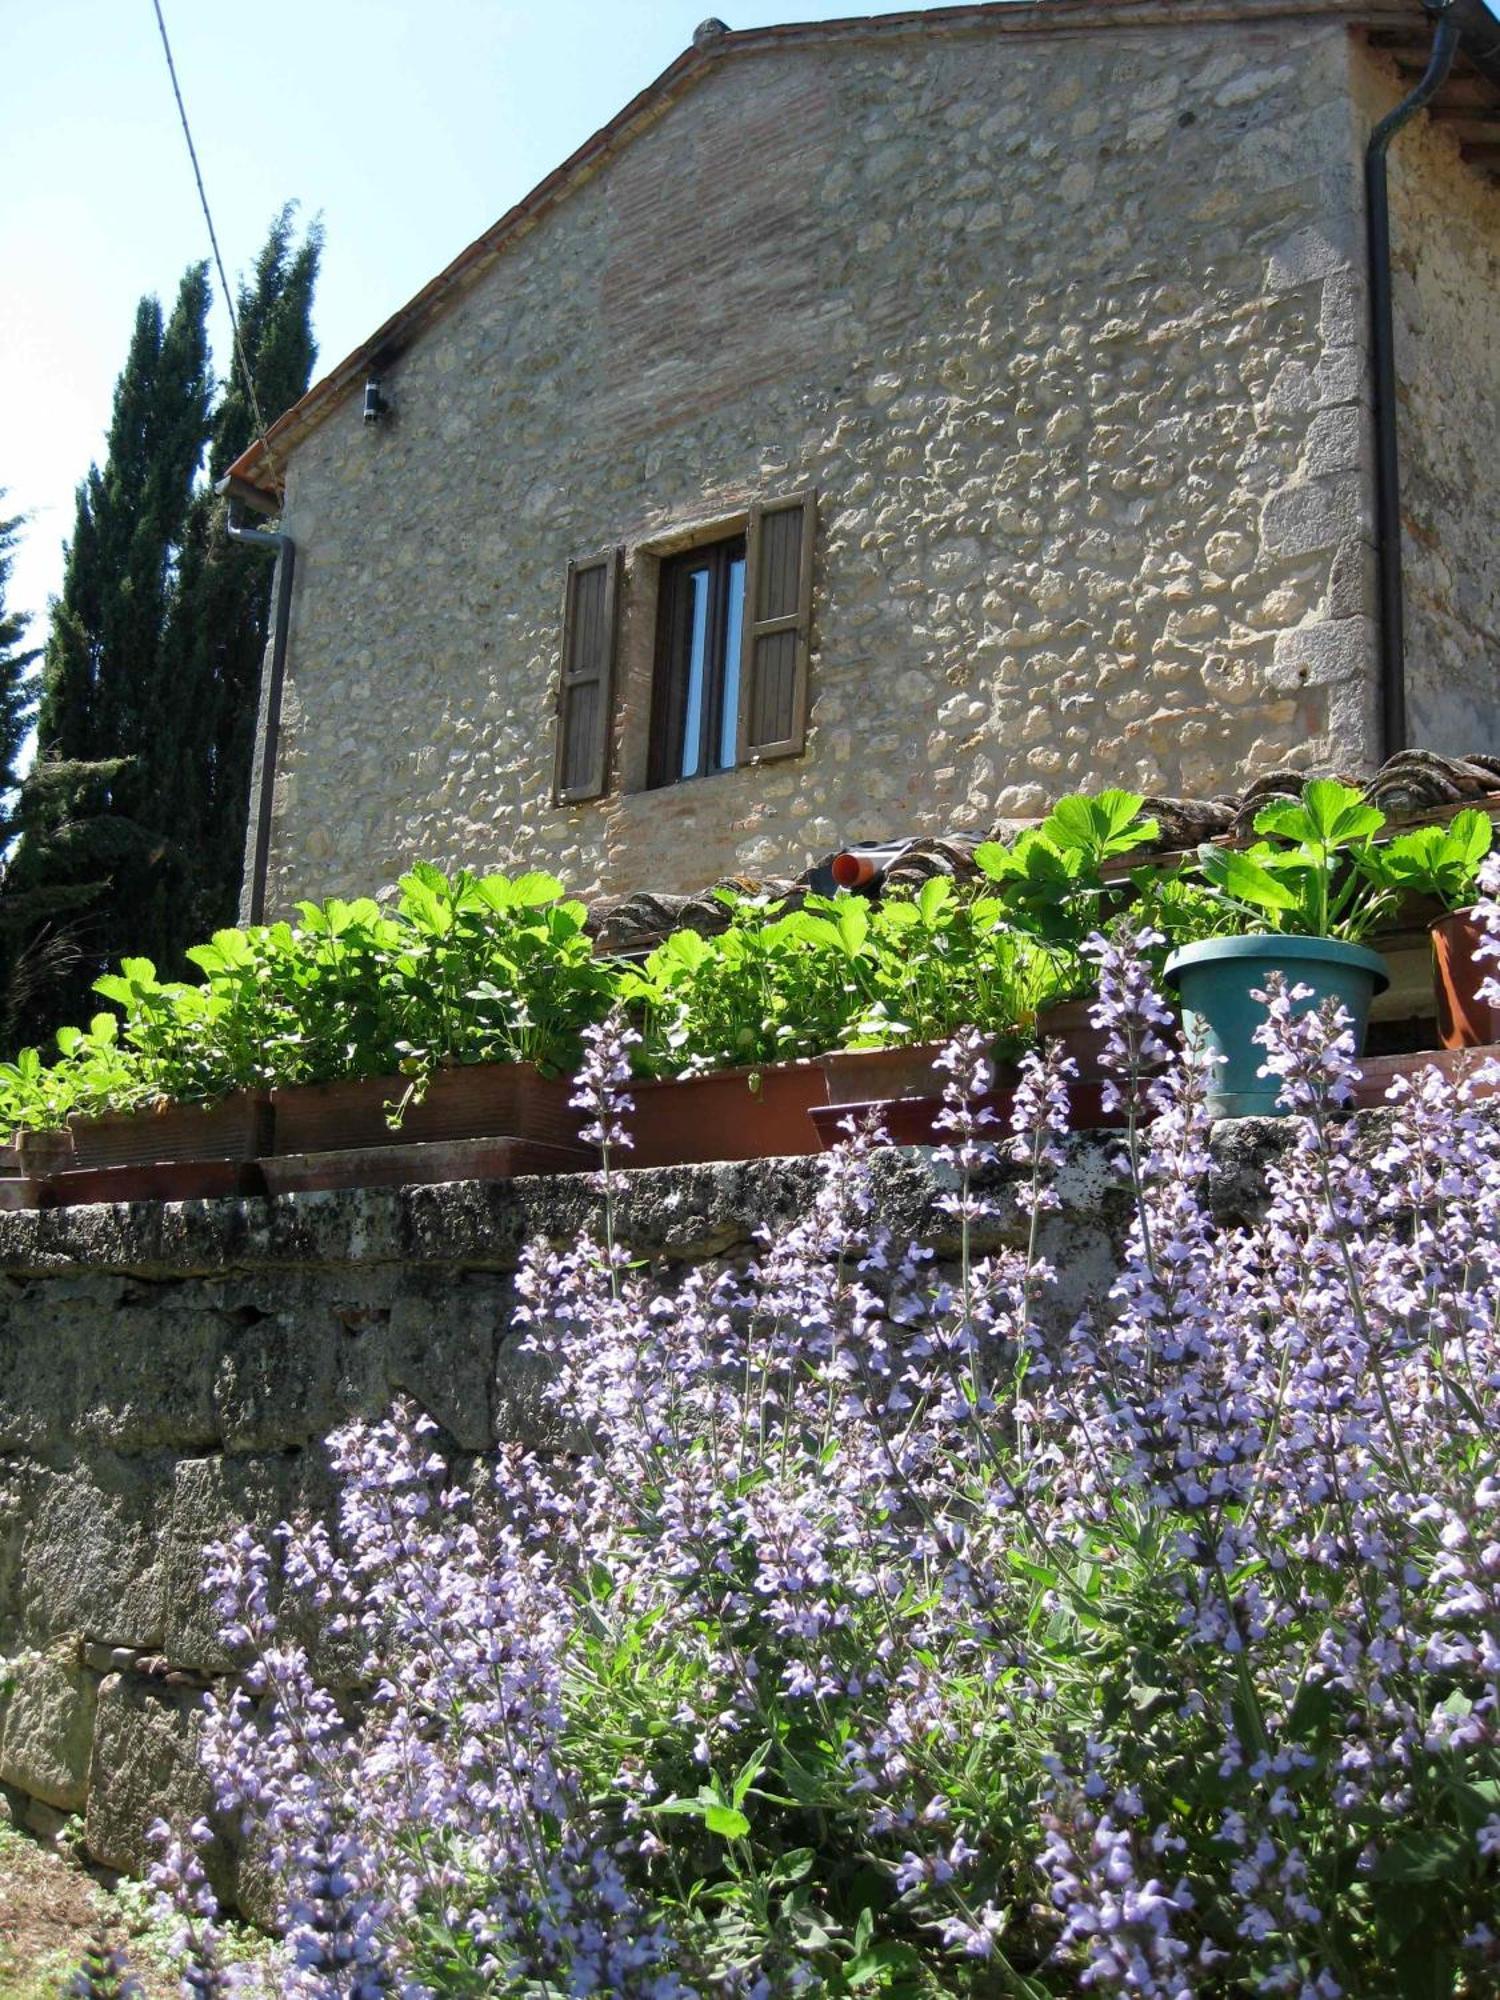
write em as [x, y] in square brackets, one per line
[872, 1635]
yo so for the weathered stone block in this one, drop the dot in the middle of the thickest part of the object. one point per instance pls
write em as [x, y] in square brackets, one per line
[442, 1344]
[212, 1497]
[89, 1550]
[145, 1767]
[1314, 514]
[144, 1377]
[48, 1729]
[277, 1379]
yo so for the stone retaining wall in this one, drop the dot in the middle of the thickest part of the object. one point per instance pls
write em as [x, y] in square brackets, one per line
[167, 1371]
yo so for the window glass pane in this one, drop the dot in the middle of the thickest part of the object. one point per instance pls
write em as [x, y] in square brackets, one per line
[692, 728]
[734, 619]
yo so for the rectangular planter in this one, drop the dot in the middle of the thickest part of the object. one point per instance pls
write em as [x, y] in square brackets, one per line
[734, 1114]
[472, 1101]
[236, 1127]
[421, 1165]
[869, 1076]
[1377, 1072]
[911, 1121]
[864, 1076]
[41, 1153]
[151, 1180]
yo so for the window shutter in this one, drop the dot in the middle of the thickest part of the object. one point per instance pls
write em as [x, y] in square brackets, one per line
[586, 681]
[778, 627]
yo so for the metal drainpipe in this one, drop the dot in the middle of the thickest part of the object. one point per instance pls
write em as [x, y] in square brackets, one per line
[253, 907]
[1383, 356]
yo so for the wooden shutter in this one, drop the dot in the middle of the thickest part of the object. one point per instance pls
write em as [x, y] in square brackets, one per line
[586, 682]
[777, 633]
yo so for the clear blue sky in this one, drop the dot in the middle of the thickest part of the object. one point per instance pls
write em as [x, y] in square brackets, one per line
[408, 125]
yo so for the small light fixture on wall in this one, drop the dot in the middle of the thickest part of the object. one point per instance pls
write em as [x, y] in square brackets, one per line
[376, 406]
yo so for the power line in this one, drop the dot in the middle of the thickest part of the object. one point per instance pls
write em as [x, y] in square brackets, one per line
[234, 324]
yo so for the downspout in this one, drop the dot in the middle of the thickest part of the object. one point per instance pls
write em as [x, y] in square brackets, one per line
[1383, 358]
[253, 900]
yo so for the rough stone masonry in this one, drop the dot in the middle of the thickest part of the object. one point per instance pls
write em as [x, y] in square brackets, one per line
[168, 1371]
[1068, 331]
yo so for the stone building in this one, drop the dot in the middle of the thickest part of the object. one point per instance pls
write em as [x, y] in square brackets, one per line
[883, 425]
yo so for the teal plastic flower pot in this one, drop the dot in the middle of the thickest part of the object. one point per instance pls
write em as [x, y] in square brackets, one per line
[1215, 980]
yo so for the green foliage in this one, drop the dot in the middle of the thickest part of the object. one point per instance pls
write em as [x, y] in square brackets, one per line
[152, 664]
[219, 618]
[1438, 861]
[838, 972]
[17, 683]
[1311, 876]
[460, 970]
[1050, 879]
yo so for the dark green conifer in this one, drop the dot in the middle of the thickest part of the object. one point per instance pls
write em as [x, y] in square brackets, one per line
[132, 820]
[221, 612]
[17, 682]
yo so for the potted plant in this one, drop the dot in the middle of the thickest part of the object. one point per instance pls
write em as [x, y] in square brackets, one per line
[1443, 863]
[1051, 880]
[1303, 897]
[729, 1028]
[455, 1016]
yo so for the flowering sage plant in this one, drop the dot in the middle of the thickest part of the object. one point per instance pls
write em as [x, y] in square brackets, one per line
[873, 1630]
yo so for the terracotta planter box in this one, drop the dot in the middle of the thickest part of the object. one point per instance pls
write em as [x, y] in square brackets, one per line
[1067, 1021]
[1378, 1072]
[912, 1121]
[17, 1190]
[421, 1165]
[42, 1153]
[472, 1101]
[152, 1180]
[865, 1076]
[735, 1114]
[234, 1128]
[907, 1121]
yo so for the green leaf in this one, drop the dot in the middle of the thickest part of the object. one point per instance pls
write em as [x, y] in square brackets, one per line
[1425, 1969]
[726, 1821]
[1099, 825]
[749, 1771]
[854, 925]
[934, 897]
[533, 890]
[1327, 815]
[1245, 880]
[1432, 1855]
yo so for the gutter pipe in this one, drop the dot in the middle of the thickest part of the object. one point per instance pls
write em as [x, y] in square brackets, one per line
[253, 898]
[1393, 725]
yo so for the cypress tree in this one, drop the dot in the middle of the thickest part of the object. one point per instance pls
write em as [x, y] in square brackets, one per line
[60, 809]
[17, 682]
[221, 611]
[132, 819]
[98, 804]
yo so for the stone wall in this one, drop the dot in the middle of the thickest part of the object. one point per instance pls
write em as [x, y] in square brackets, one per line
[1067, 330]
[1445, 238]
[168, 1371]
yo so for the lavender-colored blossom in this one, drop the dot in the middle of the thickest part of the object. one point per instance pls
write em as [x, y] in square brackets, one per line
[1102, 1655]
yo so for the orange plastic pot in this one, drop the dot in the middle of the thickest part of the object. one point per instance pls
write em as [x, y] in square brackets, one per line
[1464, 1019]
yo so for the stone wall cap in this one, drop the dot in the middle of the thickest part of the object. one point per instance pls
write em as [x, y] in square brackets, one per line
[258, 474]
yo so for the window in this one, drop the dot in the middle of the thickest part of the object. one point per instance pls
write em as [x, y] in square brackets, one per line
[729, 670]
[700, 617]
